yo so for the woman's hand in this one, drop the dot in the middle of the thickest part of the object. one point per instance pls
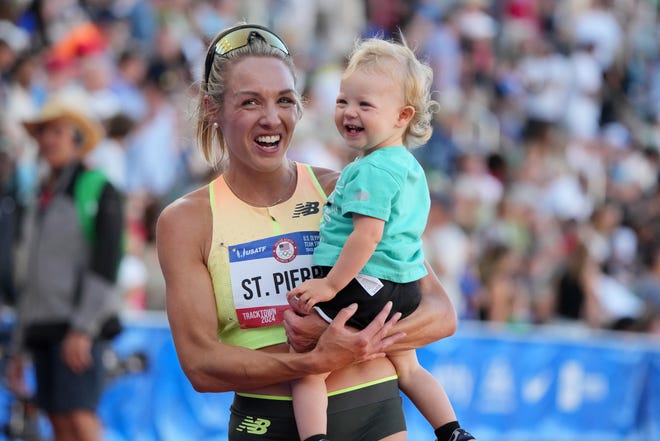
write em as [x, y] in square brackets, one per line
[303, 332]
[348, 345]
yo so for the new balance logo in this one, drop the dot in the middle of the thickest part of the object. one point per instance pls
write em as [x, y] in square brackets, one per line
[253, 426]
[305, 209]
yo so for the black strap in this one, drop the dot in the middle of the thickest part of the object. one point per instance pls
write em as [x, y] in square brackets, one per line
[320, 437]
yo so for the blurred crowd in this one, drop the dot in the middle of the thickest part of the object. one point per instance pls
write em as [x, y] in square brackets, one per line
[543, 165]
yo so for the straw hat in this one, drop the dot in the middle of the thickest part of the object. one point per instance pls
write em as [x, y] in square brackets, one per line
[59, 109]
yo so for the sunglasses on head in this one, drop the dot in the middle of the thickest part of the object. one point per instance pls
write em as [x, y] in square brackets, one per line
[238, 37]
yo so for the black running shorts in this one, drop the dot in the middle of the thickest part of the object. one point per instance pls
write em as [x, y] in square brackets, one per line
[368, 413]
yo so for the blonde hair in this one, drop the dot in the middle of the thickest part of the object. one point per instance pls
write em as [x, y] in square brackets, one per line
[415, 77]
[214, 84]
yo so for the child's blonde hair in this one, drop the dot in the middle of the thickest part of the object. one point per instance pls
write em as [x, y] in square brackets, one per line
[399, 62]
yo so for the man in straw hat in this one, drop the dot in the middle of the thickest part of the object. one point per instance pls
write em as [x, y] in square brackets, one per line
[69, 297]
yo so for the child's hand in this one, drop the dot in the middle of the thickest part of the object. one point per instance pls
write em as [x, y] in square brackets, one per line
[304, 296]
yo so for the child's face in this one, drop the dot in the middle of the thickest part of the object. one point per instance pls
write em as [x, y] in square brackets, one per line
[369, 110]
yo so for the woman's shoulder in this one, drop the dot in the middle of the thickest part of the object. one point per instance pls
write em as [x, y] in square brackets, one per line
[196, 200]
[326, 177]
[190, 212]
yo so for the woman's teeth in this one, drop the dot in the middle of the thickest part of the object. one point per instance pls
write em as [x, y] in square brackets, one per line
[268, 141]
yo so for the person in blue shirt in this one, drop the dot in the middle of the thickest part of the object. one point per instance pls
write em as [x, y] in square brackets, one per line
[370, 246]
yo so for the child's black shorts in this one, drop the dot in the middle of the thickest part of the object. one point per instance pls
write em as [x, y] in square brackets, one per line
[405, 298]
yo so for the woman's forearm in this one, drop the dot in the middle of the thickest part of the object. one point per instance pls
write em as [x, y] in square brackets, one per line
[235, 369]
[218, 367]
[434, 319]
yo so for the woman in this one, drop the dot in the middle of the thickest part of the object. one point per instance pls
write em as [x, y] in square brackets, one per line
[231, 250]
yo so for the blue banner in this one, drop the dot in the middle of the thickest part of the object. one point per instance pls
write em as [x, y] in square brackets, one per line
[530, 386]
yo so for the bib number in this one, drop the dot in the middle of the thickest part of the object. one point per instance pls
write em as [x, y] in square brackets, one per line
[263, 271]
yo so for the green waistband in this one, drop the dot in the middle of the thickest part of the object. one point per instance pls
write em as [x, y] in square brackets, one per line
[330, 394]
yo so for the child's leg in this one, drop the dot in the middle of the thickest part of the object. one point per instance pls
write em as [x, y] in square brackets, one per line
[423, 389]
[310, 405]
[427, 394]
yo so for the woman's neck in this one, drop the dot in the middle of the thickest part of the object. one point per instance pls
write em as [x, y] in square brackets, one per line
[263, 190]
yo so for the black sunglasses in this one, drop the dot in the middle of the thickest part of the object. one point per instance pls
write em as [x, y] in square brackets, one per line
[238, 37]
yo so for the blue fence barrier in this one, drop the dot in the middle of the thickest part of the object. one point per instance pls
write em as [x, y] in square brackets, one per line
[538, 384]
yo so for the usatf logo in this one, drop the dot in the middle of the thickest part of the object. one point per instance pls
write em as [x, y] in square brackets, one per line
[305, 209]
[253, 426]
[285, 250]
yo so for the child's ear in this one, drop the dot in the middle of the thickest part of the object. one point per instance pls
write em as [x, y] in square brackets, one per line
[405, 115]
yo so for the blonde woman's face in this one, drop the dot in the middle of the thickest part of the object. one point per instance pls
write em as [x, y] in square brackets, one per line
[259, 113]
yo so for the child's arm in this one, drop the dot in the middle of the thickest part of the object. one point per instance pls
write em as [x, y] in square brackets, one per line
[360, 245]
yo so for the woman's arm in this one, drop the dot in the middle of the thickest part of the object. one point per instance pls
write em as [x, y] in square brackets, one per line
[434, 319]
[183, 233]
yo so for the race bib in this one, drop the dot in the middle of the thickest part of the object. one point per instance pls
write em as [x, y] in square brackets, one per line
[263, 271]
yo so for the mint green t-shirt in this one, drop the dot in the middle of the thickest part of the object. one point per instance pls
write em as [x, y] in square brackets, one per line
[388, 184]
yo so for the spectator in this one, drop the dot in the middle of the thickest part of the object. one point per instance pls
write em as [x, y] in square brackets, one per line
[153, 152]
[69, 300]
[110, 155]
[599, 24]
[13, 40]
[502, 298]
[129, 75]
[448, 249]
[545, 76]
[385, 18]
[10, 212]
[648, 286]
[582, 112]
[576, 299]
